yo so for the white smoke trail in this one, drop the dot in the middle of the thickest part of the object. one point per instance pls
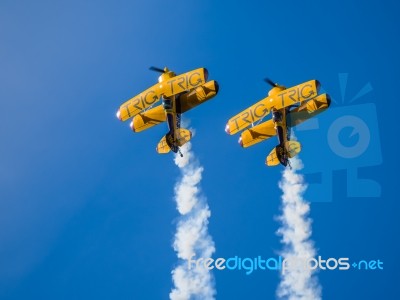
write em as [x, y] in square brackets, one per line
[192, 240]
[297, 282]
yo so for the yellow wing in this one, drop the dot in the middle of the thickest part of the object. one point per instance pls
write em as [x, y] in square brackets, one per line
[168, 88]
[183, 82]
[265, 130]
[293, 148]
[182, 137]
[138, 103]
[320, 102]
[156, 115]
[257, 134]
[149, 118]
[296, 94]
[162, 146]
[198, 95]
[249, 116]
[309, 109]
[189, 100]
[272, 158]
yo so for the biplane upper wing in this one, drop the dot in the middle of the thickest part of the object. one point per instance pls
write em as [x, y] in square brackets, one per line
[287, 97]
[185, 102]
[197, 96]
[172, 86]
[265, 130]
[183, 82]
[140, 102]
[308, 110]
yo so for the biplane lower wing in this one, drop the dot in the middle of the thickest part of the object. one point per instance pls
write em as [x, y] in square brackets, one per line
[265, 130]
[258, 133]
[149, 118]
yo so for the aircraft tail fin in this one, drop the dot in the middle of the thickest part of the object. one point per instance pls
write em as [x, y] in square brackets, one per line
[281, 154]
[292, 148]
[183, 136]
[169, 142]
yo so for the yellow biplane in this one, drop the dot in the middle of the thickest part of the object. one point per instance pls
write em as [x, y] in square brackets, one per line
[179, 93]
[288, 107]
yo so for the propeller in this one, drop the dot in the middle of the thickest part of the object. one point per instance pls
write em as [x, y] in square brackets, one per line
[270, 82]
[155, 69]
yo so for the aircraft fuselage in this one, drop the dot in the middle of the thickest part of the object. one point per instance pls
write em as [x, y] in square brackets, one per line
[173, 121]
[282, 132]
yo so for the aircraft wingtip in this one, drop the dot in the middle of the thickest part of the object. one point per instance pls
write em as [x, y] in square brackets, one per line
[118, 114]
[227, 129]
[240, 141]
[132, 126]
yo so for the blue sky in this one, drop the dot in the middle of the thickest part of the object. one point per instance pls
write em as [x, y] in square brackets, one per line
[86, 206]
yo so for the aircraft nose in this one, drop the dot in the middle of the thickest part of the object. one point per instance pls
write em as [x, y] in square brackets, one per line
[118, 114]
